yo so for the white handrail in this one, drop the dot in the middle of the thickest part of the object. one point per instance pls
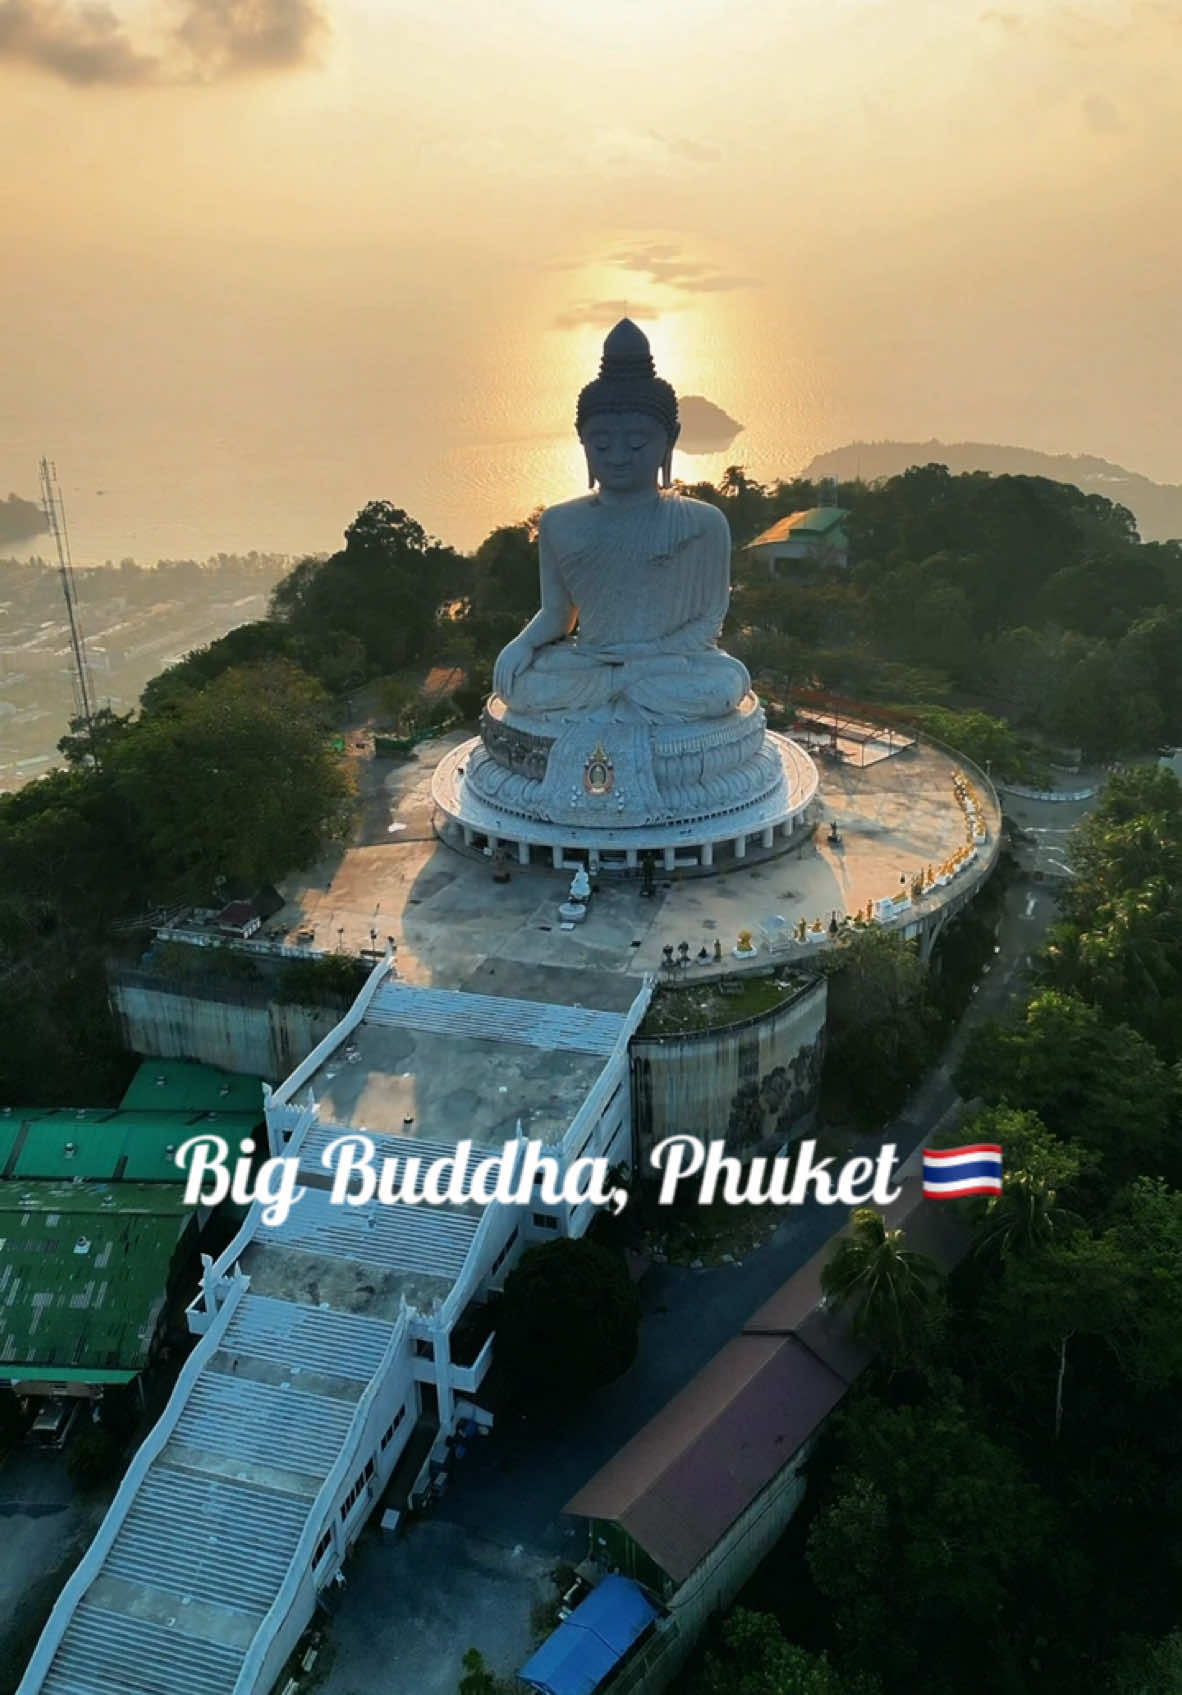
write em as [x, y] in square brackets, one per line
[596, 1098]
[495, 1214]
[312, 1062]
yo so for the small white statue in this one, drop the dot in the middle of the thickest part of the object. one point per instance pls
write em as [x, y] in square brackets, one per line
[580, 885]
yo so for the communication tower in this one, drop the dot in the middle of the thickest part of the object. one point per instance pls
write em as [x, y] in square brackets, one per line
[55, 514]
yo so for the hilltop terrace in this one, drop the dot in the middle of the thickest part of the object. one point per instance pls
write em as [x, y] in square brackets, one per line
[454, 927]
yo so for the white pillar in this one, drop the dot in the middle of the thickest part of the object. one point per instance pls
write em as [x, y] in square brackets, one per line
[469, 835]
[630, 858]
[707, 856]
[523, 853]
[740, 847]
[556, 858]
[670, 854]
[274, 1133]
[443, 1388]
[769, 835]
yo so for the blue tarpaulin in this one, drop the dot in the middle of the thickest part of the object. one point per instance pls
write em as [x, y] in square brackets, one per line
[596, 1636]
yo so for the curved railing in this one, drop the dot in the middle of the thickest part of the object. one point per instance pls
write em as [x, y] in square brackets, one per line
[90, 1565]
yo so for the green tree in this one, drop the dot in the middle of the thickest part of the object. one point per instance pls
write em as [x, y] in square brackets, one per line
[1029, 1213]
[505, 572]
[568, 1322]
[1146, 1667]
[882, 1027]
[1022, 665]
[69, 847]
[89, 744]
[1120, 1290]
[479, 1680]
[889, 1288]
[1133, 833]
[249, 644]
[989, 742]
[237, 785]
[932, 1529]
[1127, 961]
[384, 588]
[1093, 1083]
[754, 1658]
[1119, 941]
[1149, 650]
[745, 502]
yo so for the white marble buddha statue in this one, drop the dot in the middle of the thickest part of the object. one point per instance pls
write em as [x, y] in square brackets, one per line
[635, 580]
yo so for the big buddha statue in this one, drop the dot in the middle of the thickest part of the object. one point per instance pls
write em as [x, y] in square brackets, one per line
[634, 581]
[615, 712]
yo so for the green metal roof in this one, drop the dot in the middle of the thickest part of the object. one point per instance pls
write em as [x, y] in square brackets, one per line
[84, 1268]
[823, 517]
[112, 1146]
[150, 1135]
[815, 521]
[182, 1085]
[9, 1130]
[43, 1151]
[62, 1374]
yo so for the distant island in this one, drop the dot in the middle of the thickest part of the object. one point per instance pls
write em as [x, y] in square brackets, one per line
[1156, 506]
[20, 520]
[705, 427]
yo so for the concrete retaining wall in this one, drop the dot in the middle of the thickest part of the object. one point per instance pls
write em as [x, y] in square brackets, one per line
[264, 1039]
[1025, 793]
[746, 1081]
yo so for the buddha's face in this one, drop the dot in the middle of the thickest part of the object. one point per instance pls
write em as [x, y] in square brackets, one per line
[625, 450]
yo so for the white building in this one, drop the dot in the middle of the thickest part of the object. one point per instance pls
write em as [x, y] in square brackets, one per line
[324, 1343]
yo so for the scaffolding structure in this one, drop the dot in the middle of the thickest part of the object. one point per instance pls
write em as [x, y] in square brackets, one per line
[848, 731]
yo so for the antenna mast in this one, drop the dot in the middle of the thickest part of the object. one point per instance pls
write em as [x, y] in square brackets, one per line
[55, 514]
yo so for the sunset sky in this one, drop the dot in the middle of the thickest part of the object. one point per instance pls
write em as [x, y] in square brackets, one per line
[265, 260]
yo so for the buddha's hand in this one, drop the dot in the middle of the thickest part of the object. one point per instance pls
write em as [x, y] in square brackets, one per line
[512, 661]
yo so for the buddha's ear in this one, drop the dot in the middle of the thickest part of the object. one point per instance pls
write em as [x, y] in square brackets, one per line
[667, 462]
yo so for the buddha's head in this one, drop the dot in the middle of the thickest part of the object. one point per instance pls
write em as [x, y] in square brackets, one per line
[627, 418]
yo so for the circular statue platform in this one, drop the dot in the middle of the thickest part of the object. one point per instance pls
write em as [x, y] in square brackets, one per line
[607, 835]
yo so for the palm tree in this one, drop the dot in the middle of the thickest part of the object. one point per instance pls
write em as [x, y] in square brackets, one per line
[889, 1286]
[1023, 1217]
[734, 482]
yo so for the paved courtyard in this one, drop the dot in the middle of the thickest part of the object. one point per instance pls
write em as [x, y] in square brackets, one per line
[414, 1607]
[449, 918]
[44, 1526]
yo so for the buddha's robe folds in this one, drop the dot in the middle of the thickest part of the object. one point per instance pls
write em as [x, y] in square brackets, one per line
[649, 585]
